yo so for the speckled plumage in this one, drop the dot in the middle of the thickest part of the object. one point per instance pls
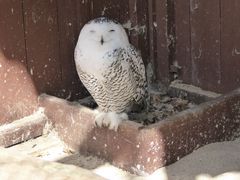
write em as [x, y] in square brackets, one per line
[103, 20]
[113, 72]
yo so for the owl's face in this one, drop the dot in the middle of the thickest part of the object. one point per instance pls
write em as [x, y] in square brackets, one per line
[103, 34]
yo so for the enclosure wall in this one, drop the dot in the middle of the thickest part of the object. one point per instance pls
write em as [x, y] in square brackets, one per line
[194, 41]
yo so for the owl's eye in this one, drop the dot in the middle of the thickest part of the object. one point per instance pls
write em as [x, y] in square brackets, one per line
[92, 31]
[112, 30]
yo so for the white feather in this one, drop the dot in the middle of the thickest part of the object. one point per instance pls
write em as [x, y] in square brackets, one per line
[89, 52]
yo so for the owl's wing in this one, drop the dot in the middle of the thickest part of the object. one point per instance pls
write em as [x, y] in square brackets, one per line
[94, 87]
[138, 70]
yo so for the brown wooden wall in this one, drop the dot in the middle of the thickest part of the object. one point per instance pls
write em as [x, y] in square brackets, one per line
[42, 34]
[208, 43]
[197, 41]
[201, 37]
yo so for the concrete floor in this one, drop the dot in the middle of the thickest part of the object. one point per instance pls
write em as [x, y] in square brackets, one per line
[214, 161]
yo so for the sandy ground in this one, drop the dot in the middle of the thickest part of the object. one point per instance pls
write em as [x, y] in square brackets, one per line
[209, 161]
[216, 161]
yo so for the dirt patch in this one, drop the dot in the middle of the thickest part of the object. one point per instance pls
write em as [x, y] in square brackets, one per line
[161, 106]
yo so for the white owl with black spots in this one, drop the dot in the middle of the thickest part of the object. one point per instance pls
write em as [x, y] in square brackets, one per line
[111, 69]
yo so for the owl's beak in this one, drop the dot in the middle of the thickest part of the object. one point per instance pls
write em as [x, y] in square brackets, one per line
[102, 40]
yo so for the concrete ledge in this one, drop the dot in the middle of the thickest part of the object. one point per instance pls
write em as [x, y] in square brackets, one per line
[18, 95]
[190, 92]
[140, 149]
[23, 129]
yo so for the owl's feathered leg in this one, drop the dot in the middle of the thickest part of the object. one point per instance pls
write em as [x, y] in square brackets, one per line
[113, 119]
[109, 119]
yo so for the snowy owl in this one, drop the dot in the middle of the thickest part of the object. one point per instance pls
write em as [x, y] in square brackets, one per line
[111, 69]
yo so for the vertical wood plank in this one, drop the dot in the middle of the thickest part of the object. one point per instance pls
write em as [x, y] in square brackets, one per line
[111, 8]
[162, 63]
[230, 45]
[12, 41]
[183, 43]
[84, 12]
[205, 43]
[152, 36]
[133, 22]
[151, 28]
[69, 27]
[42, 43]
[141, 31]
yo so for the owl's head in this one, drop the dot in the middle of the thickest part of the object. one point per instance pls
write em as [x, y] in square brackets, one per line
[103, 33]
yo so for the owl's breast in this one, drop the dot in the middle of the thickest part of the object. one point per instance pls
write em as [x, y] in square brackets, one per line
[95, 65]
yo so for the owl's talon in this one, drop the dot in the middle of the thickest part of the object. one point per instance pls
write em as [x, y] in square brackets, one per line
[113, 127]
[95, 123]
[110, 120]
[99, 118]
[115, 119]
